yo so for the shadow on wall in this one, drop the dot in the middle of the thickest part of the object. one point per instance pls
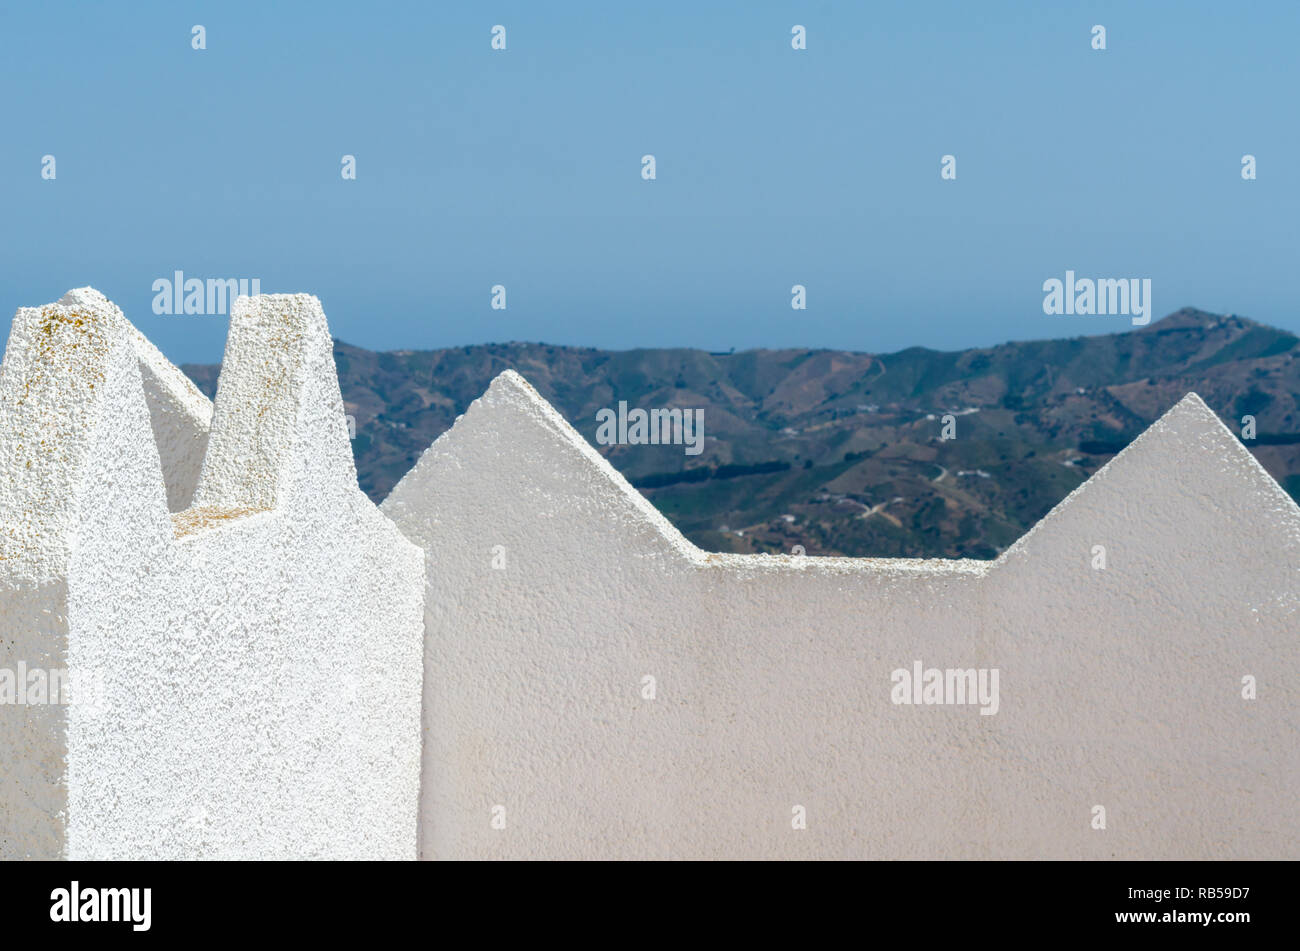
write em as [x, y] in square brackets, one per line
[598, 687]
[1121, 682]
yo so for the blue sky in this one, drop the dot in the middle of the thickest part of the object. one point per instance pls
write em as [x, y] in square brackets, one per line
[775, 167]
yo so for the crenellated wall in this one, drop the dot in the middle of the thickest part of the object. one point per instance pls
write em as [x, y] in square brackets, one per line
[258, 649]
[555, 589]
[555, 672]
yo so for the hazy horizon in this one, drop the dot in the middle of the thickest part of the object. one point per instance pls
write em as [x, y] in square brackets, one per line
[774, 167]
[1115, 328]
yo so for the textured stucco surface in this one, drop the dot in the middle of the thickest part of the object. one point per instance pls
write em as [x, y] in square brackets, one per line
[1118, 687]
[267, 638]
[262, 668]
[179, 414]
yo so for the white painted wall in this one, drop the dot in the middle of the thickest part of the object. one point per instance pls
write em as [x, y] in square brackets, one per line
[179, 414]
[1119, 688]
[259, 624]
[260, 649]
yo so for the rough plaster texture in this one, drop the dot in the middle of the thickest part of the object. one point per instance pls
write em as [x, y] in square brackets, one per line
[259, 625]
[260, 649]
[1118, 687]
[179, 414]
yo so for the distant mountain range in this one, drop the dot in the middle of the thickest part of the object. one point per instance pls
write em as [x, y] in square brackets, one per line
[841, 452]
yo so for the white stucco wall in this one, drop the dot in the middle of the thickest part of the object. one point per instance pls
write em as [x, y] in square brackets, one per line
[1118, 687]
[179, 414]
[260, 625]
[260, 650]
